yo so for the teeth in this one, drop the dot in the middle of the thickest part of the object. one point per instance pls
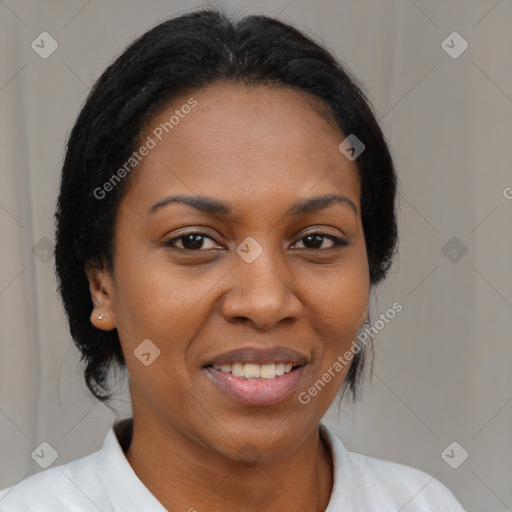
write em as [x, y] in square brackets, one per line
[237, 369]
[267, 371]
[251, 371]
[255, 371]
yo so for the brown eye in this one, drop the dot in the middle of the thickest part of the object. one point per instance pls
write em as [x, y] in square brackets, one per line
[190, 241]
[194, 241]
[315, 240]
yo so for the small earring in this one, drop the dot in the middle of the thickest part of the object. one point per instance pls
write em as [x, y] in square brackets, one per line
[367, 321]
[101, 316]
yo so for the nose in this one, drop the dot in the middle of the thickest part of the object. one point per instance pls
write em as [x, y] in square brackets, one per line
[262, 293]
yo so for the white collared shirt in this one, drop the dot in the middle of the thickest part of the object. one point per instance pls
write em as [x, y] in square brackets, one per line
[105, 481]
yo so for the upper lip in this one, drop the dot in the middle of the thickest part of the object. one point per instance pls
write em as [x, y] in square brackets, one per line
[260, 355]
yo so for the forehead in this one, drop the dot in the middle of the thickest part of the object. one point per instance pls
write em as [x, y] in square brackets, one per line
[244, 142]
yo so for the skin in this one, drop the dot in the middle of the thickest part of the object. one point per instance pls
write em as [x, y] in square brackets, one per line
[258, 149]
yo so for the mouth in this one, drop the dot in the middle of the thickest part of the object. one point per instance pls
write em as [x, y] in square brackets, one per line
[257, 377]
[256, 371]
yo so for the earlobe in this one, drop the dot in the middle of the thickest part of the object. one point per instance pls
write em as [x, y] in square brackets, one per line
[100, 287]
[365, 322]
[103, 321]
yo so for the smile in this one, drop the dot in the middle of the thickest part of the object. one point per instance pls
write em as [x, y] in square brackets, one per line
[252, 388]
[255, 371]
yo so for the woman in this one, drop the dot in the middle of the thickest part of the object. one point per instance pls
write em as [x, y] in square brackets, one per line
[226, 204]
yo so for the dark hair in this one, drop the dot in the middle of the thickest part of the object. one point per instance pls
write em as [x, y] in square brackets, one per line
[192, 51]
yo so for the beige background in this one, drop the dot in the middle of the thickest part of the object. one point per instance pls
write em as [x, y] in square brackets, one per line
[442, 369]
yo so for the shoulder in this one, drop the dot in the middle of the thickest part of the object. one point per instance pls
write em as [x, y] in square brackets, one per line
[380, 485]
[73, 486]
[412, 488]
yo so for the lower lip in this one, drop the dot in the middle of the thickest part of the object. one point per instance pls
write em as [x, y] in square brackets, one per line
[256, 391]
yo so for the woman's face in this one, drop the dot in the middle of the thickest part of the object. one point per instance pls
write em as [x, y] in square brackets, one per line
[253, 280]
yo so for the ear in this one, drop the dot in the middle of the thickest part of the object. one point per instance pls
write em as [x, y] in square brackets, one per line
[100, 286]
[366, 312]
[364, 317]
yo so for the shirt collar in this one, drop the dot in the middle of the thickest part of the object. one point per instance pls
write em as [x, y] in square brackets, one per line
[340, 456]
[124, 488]
[127, 492]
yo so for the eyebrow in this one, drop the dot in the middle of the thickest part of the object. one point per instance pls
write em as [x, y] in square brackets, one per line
[215, 207]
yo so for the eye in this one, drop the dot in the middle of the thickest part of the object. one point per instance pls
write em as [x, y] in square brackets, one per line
[314, 240]
[192, 241]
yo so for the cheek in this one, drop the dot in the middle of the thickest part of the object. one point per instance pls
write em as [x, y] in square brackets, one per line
[151, 295]
[338, 295]
[165, 303]
[338, 305]
[339, 309]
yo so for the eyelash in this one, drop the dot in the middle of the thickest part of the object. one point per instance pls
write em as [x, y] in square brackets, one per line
[338, 242]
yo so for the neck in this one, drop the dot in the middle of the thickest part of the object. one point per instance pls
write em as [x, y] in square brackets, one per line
[186, 476]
